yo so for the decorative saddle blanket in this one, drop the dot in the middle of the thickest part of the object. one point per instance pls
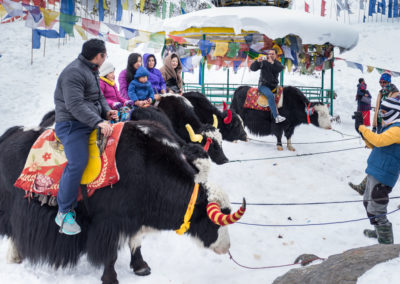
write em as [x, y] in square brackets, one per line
[258, 101]
[46, 162]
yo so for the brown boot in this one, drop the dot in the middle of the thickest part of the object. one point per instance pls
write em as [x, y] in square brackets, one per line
[360, 188]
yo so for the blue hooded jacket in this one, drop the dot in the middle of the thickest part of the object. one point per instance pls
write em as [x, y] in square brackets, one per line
[140, 91]
[155, 77]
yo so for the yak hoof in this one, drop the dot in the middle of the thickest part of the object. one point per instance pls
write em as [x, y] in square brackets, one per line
[142, 271]
[291, 148]
[105, 280]
[141, 268]
[279, 148]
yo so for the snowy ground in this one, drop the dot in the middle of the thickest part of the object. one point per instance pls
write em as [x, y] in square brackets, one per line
[27, 94]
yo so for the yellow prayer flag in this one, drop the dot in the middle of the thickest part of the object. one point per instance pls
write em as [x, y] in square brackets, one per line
[221, 48]
[125, 5]
[49, 16]
[143, 37]
[3, 11]
[370, 69]
[105, 5]
[141, 5]
[289, 64]
[81, 31]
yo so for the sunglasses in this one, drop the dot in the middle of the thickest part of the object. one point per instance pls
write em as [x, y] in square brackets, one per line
[382, 82]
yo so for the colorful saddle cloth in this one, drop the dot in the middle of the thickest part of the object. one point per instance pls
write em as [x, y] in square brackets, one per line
[258, 101]
[46, 162]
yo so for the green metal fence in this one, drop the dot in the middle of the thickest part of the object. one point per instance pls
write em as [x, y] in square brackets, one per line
[217, 93]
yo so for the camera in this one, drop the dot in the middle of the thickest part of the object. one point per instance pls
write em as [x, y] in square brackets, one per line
[357, 115]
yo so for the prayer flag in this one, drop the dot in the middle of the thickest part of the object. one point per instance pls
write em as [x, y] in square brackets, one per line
[164, 9]
[177, 39]
[49, 16]
[129, 33]
[46, 33]
[323, 4]
[221, 48]
[91, 26]
[171, 9]
[118, 17]
[306, 7]
[115, 28]
[371, 8]
[141, 6]
[113, 38]
[233, 49]
[81, 32]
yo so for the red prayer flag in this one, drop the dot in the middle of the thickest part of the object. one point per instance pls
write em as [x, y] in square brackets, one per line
[113, 38]
[306, 7]
[178, 39]
[323, 4]
[91, 26]
[39, 3]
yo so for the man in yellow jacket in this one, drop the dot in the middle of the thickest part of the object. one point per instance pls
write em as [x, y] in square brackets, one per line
[383, 168]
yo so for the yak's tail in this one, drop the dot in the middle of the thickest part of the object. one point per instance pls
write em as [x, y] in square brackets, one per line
[48, 119]
[9, 132]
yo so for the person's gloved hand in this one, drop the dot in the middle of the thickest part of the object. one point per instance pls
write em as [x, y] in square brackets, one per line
[116, 105]
[358, 120]
[128, 103]
[374, 129]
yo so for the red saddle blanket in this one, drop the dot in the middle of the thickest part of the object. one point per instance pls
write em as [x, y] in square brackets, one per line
[258, 101]
[46, 162]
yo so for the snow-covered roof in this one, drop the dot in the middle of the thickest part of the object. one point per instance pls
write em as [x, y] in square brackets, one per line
[274, 22]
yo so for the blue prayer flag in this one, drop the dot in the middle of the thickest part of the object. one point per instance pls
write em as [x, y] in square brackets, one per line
[119, 11]
[36, 34]
[371, 8]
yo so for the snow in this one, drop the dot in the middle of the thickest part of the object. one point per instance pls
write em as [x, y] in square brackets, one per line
[272, 21]
[27, 94]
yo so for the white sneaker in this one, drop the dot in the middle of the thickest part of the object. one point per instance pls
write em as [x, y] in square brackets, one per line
[279, 118]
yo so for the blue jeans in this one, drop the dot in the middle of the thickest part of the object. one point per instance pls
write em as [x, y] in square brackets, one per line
[271, 99]
[74, 136]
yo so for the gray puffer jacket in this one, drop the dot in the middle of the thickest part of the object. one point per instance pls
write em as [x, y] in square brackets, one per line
[78, 95]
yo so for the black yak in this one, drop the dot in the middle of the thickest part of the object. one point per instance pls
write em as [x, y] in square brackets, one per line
[181, 113]
[229, 123]
[156, 184]
[296, 108]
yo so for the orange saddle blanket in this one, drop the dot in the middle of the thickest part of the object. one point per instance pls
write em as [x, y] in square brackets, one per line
[46, 162]
[258, 101]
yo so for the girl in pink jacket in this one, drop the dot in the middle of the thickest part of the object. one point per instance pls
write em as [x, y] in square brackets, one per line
[110, 89]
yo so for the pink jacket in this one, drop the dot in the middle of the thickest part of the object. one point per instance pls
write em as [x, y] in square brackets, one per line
[111, 93]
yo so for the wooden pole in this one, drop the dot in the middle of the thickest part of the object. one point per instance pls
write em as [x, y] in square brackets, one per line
[32, 49]
[44, 47]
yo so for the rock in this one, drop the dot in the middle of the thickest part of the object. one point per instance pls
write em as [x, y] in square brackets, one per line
[344, 268]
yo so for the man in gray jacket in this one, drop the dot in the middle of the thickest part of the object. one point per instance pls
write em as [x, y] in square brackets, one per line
[80, 108]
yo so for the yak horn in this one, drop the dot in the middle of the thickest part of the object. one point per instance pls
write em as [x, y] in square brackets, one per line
[193, 137]
[228, 118]
[224, 106]
[221, 219]
[215, 121]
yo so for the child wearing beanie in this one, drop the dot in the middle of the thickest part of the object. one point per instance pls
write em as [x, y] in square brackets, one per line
[109, 88]
[140, 90]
